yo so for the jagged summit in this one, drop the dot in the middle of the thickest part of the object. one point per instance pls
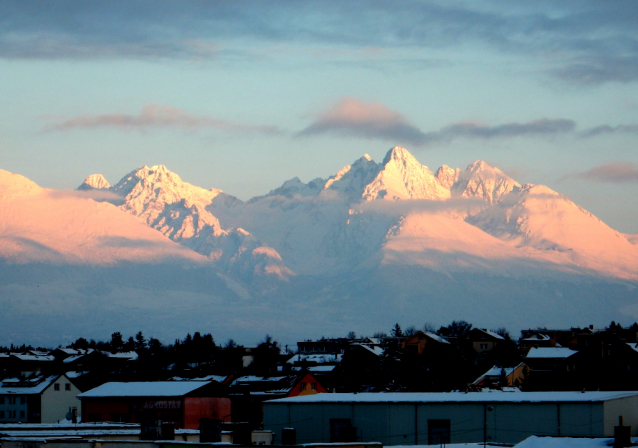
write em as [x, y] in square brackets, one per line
[401, 176]
[480, 180]
[94, 182]
[447, 176]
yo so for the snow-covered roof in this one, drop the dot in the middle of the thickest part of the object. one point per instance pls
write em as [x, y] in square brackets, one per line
[34, 357]
[75, 351]
[376, 350]
[537, 337]
[144, 389]
[218, 378]
[632, 345]
[436, 337]
[564, 442]
[252, 379]
[550, 352]
[457, 397]
[490, 333]
[318, 358]
[496, 371]
[16, 386]
[122, 355]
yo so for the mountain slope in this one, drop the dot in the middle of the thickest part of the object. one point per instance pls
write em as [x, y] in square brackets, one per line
[538, 217]
[45, 225]
[177, 209]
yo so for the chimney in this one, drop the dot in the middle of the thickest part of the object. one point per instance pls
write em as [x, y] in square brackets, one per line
[622, 434]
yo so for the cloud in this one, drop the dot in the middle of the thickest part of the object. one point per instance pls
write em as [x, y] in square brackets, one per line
[154, 116]
[608, 129]
[581, 41]
[618, 172]
[97, 195]
[355, 118]
[406, 206]
[541, 127]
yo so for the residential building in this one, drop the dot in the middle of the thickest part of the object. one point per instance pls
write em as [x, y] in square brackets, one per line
[37, 400]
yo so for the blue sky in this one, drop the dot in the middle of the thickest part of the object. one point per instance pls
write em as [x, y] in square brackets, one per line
[245, 95]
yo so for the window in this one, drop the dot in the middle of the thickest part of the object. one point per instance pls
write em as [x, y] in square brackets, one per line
[1, 400]
[23, 400]
[483, 346]
[56, 387]
[313, 386]
[12, 414]
[21, 414]
[302, 386]
[67, 386]
[438, 432]
[12, 400]
[1, 414]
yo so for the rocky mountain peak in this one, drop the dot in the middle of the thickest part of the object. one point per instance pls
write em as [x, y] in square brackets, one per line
[94, 182]
[447, 176]
[480, 180]
[402, 177]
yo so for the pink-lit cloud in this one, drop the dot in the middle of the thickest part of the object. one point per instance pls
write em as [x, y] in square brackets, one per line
[154, 116]
[352, 117]
[618, 172]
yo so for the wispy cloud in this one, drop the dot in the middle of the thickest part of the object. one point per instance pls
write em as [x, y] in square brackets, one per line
[618, 172]
[154, 116]
[608, 129]
[352, 117]
[406, 206]
[541, 127]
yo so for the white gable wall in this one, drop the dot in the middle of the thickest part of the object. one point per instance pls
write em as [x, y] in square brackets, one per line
[55, 404]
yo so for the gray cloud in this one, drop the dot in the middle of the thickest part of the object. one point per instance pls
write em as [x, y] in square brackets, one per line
[584, 42]
[619, 172]
[541, 127]
[153, 116]
[608, 129]
[354, 118]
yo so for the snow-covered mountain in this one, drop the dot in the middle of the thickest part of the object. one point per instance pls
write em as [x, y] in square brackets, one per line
[177, 209]
[371, 245]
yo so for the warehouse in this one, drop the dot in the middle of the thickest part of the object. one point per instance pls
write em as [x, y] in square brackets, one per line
[183, 403]
[455, 417]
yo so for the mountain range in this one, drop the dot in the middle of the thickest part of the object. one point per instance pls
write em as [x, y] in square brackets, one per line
[374, 244]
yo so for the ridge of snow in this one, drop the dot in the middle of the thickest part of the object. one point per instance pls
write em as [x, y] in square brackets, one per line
[352, 180]
[480, 180]
[402, 177]
[537, 217]
[94, 182]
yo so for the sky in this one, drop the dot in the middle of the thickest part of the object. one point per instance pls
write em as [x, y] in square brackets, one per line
[243, 95]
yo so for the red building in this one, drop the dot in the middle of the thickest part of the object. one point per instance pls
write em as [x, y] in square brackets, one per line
[183, 403]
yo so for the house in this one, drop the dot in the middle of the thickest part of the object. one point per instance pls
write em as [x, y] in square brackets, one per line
[37, 400]
[248, 393]
[453, 417]
[183, 403]
[535, 340]
[423, 341]
[502, 377]
[482, 340]
[28, 364]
